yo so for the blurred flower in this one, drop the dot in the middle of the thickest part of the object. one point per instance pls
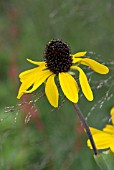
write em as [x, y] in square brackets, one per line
[104, 139]
[58, 63]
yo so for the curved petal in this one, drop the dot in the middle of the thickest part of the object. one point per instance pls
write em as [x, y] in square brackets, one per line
[112, 114]
[96, 66]
[36, 62]
[27, 78]
[80, 54]
[69, 86]
[41, 77]
[84, 83]
[52, 91]
[25, 85]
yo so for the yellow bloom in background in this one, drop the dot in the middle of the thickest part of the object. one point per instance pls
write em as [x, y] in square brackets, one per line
[58, 62]
[104, 139]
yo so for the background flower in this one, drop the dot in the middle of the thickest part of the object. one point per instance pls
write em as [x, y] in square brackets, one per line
[104, 139]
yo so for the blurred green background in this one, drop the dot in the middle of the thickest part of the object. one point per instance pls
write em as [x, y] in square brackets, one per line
[33, 136]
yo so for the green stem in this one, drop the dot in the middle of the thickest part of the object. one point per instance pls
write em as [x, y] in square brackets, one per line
[84, 122]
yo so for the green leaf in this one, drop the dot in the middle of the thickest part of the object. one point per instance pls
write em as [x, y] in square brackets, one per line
[105, 160]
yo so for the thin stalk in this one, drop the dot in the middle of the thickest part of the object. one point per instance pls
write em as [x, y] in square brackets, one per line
[84, 122]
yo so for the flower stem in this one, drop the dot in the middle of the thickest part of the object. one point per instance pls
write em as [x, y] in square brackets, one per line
[84, 122]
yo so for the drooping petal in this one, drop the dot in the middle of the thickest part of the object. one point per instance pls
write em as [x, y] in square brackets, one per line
[35, 62]
[69, 86]
[25, 85]
[27, 78]
[112, 114]
[41, 77]
[109, 129]
[80, 54]
[96, 66]
[28, 73]
[24, 75]
[52, 91]
[84, 83]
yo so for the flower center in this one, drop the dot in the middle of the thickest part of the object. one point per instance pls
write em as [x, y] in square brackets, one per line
[58, 57]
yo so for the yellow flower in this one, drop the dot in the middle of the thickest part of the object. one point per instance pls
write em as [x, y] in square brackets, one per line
[58, 62]
[104, 139]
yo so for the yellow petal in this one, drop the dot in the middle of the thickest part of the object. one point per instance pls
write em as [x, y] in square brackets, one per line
[36, 62]
[109, 129]
[77, 60]
[96, 66]
[80, 54]
[112, 114]
[27, 78]
[95, 131]
[69, 86]
[102, 141]
[24, 86]
[112, 146]
[84, 83]
[24, 75]
[30, 72]
[41, 77]
[52, 91]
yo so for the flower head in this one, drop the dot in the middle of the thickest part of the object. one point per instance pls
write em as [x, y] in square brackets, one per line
[58, 62]
[104, 139]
